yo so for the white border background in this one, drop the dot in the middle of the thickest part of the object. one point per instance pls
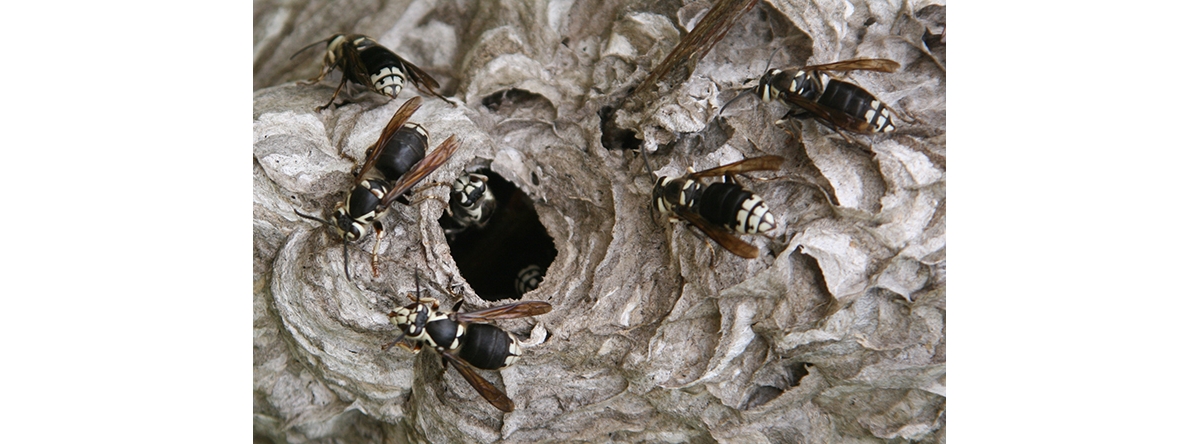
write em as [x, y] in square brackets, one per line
[128, 135]
[1071, 228]
[128, 242]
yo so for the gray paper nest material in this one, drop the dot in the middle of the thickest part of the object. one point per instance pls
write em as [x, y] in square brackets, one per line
[836, 333]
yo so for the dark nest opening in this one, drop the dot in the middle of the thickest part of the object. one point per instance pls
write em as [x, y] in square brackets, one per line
[511, 253]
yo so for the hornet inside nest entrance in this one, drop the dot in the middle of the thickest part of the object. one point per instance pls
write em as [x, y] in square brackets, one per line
[500, 246]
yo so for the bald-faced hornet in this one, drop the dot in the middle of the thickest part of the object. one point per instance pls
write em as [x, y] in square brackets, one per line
[720, 208]
[529, 278]
[365, 62]
[393, 166]
[471, 203]
[840, 105]
[464, 340]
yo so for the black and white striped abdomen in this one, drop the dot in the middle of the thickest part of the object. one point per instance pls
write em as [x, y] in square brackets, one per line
[857, 103]
[388, 75]
[529, 278]
[487, 347]
[731, 205]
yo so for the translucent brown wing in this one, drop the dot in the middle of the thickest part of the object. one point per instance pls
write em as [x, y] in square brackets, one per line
[352, 65]
[722, 237]
[833, 117]
[422, 80]
[881, 65]
[423, 168]
[511, 311]
[398, 120]
[763, 163]
[489, 392]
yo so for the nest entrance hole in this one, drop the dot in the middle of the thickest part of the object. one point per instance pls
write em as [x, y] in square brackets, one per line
[512, 247]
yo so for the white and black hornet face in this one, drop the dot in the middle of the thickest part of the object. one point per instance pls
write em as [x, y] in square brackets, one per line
[660, 202]
[346, 227]
[411, 319]
[471, 202]
[765, 89]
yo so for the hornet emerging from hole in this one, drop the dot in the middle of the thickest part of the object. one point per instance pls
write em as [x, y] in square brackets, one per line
[720, 208]
[393, 166]
[366, 62]
[471, 203]
[465, 340]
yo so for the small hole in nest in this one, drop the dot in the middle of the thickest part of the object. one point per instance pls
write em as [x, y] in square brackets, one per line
[515, 103]
[792, 374]
[614, 137]
[795, 372]
[506, 256]
[762, 395]
[508, 97]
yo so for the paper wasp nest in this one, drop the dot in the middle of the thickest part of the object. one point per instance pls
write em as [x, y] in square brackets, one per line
[835, 333]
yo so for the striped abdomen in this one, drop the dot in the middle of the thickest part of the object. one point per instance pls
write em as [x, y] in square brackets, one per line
[529, 278]
[730, 205]
[857, 103]
[386, 69]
